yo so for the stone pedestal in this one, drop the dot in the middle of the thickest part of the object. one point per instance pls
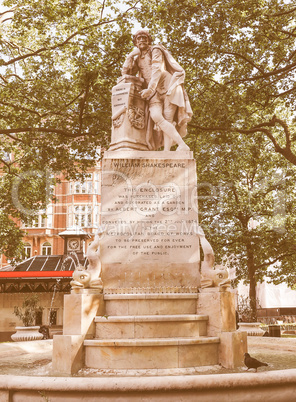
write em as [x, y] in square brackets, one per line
[219, 304]
[154, 316]
[128, 115]
[80, 309]
[149, 210]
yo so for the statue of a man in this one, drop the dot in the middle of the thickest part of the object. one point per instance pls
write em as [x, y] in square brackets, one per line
[168, 103]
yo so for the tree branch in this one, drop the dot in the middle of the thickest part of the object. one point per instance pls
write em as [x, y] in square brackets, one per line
[246, 59]
[59, 45]
[285, 151]
[103, 8]
[282, 13]
[289, 67]
[266, 264]
[65, 133]
[18, 107]
[284, 93]
[288, 33]
[8, 165]
[11, 75]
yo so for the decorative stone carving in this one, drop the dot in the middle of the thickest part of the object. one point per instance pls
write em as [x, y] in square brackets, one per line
[211, 276]
[90, 277]
[215, 277]
[136, 117]
[81, 278]
[117, 122]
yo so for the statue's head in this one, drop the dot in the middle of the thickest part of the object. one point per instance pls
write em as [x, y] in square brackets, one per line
[143, 35]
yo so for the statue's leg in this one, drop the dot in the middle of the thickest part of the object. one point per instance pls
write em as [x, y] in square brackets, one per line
[169, 111]
[167, 128]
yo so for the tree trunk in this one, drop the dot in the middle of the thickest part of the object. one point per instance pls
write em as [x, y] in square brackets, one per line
[252, 279]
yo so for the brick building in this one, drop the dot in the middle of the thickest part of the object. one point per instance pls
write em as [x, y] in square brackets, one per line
[66, 227]
[77, 205]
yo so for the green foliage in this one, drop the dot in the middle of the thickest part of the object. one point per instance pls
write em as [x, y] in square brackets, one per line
[30, 308]
[241, 183]
[240, 66]
[59, 61]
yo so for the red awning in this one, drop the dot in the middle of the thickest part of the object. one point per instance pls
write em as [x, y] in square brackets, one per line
[36, 274]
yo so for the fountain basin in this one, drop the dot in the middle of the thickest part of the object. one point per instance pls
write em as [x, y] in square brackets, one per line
[274, 385]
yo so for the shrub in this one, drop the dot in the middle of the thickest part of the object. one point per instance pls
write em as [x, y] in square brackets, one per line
[30, 308]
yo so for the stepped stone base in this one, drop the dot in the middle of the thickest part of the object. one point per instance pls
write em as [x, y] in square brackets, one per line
[151, 353]
[151, 331]
[147, 304]
[156, 326]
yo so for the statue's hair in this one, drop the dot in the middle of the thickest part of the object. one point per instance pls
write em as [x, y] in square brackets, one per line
[142, 32]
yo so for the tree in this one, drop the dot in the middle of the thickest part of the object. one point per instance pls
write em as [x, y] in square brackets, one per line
[239, 58]
[247, 208]
[58, 62]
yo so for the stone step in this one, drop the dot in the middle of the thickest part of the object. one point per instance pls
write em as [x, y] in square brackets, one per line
[151, 326]
[151, 353]
[148, 304]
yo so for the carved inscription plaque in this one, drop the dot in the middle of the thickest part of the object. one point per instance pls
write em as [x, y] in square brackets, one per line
[149, 210]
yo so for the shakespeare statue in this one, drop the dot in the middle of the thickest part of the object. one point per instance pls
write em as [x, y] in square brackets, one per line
[160, 88]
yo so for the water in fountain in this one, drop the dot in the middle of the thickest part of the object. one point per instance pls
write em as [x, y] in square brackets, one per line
[55, 290]
[74, 260]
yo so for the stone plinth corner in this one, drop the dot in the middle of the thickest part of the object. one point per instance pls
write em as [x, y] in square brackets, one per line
[219, 305]
[68, 354]
[80, 310]
[233, 346]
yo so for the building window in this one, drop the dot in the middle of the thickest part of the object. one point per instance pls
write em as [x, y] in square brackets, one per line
[92, 185]
[83, 215]
[49, 214]
[82, 188]
[46, 248]
[41, 221]
[27, 251]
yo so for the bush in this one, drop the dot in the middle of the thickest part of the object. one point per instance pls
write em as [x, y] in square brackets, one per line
[244, 310]
[30, 308]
